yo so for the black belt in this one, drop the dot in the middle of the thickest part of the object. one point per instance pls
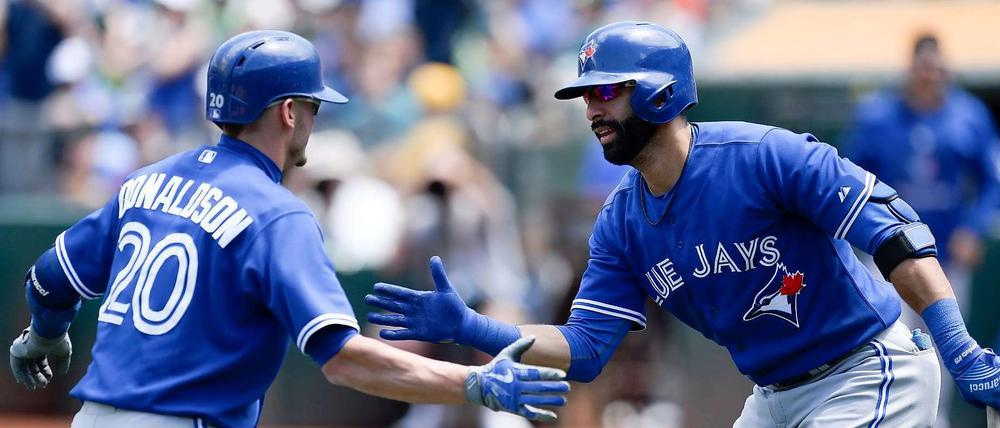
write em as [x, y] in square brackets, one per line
[805, 377]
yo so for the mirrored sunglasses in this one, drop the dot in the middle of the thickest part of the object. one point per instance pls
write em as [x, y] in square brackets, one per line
[605, 92]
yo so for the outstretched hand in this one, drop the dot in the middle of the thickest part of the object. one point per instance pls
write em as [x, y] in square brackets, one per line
[504, 384]
[431, 316]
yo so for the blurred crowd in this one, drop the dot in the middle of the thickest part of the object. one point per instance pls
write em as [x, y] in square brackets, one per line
[451, 143]
[440, 151]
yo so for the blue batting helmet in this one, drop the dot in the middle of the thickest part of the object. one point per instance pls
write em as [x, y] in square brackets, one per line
[653, 57]
[252, 70]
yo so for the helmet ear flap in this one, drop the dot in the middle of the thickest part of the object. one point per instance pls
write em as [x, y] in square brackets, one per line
[653, 103]
[661, 97]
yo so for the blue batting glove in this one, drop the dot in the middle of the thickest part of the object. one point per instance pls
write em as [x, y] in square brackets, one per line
[507, 385]
[439, 316]
[975, 370]
[979, 384]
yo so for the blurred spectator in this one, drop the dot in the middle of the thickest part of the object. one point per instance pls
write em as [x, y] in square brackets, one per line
[936, 144]
[181, 39]
[31, 31]
[438, 22]
[456, 209]
[361, 215]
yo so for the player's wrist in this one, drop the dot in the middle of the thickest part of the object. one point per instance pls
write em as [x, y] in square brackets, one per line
[473, 386]
[958, 349]
[468, 327]
[487, 334]
[43, 341]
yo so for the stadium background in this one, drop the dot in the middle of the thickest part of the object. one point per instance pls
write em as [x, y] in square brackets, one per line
[451, 145]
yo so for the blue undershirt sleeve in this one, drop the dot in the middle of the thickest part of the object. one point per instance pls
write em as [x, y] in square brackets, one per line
[593, 339]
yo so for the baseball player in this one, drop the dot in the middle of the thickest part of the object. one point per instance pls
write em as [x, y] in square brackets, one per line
[744, 232]
[207, 266]
[937, 144]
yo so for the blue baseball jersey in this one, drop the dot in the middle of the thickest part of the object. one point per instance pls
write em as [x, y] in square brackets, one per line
[207, 267]
[943, 162]
[751, 247]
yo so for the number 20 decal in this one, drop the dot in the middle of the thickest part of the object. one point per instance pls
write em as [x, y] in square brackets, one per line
[215, 100]
[147, 263]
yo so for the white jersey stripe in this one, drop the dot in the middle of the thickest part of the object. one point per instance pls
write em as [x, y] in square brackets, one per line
[322, 321]
[610, 306]
[856, 208]
[641, 322]
[67, 268]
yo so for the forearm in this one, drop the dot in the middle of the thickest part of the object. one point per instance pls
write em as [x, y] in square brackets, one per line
[921, 282]
[550, 349]
[375, 368]
[582, 346]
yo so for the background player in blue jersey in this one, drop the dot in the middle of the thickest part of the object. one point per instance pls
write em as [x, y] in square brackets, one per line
[937, 145]
[743, 232]
[207, 266]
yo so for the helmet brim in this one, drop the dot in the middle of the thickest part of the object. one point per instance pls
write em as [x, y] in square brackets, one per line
[578, 87]
[331, 96]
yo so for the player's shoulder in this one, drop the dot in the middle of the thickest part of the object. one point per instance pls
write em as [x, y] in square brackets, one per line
[714, 134]
[627, 182]
[161, 166]
[744, 134]
[967, 102]
[878, 105]
[272, 199]
[233, 176]
[611, 218]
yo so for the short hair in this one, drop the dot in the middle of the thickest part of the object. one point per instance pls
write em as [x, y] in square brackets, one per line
[231, 129]
[926, 42]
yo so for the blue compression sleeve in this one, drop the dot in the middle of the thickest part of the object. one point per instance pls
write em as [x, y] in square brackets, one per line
[593, 339]
[328, 341]
[487, 334]
[51, 299]
[47, 322]
[956, 346]
[51, 287]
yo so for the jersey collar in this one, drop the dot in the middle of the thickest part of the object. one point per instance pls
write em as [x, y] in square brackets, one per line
[265, 163]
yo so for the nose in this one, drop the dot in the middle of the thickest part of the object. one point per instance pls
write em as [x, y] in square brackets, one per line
[595, 110]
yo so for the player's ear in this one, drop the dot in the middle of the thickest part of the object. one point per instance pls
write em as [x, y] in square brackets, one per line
[286, 113]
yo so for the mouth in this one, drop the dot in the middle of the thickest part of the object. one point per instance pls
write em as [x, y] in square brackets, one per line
[604, 134]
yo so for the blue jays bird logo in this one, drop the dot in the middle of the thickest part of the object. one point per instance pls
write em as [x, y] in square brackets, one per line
[587, 51]
[779, 297]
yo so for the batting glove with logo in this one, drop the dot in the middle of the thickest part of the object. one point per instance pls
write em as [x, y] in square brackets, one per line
[34, 358]
[979, 384]
[506, 385]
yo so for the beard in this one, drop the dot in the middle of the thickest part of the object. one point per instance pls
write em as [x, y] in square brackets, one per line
[631, 136]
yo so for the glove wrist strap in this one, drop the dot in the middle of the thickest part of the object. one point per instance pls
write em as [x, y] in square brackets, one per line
[473, 387]
[44, 341]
